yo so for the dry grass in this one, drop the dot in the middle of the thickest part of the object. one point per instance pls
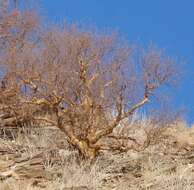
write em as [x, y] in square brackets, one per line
[163, 165]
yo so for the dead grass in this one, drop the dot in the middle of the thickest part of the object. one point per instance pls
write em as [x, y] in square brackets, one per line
[165, 164]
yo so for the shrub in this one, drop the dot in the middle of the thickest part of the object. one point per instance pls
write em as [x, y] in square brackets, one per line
[73, 79]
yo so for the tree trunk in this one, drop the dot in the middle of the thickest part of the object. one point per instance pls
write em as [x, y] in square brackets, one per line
[88, 150]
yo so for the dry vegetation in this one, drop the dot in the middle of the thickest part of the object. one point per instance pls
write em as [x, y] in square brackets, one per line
[44, 160]
[74, 80]
[68, 100]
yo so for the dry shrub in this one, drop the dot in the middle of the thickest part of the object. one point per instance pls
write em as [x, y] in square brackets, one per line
[73, 79]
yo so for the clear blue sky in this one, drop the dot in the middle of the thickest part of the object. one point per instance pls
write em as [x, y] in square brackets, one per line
[167, 23]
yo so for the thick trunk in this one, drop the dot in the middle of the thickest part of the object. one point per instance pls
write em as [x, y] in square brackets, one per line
[86, 149]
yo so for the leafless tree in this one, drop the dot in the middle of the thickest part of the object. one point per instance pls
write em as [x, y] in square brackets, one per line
[87, 83]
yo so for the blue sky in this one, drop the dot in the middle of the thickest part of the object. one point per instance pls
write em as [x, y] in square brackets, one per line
[167, 23]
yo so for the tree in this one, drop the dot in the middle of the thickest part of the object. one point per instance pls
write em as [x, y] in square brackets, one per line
[74, 79]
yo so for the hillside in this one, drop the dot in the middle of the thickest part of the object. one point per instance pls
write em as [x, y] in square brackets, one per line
[42, 159]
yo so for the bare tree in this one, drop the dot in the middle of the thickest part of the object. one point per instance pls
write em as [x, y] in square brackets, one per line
[78, 78]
